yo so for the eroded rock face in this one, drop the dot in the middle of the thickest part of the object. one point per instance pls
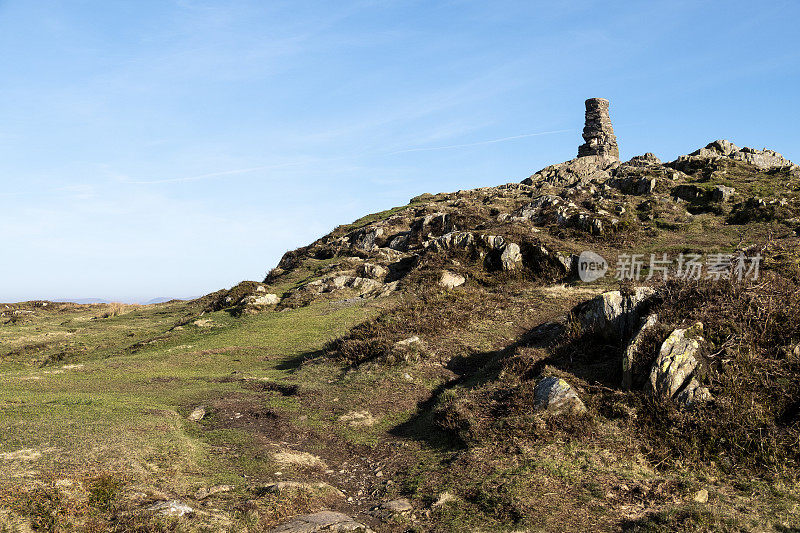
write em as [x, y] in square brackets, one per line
[672, 373]
[373, 271]
[557, 396]
[598, 131]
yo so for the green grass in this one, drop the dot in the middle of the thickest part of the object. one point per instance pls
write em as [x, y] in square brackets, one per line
[126, 411]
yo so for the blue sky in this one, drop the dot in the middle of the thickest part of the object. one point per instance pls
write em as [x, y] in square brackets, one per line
[172, 148]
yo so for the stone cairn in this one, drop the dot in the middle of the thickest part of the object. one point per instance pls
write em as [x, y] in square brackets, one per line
[598, 132]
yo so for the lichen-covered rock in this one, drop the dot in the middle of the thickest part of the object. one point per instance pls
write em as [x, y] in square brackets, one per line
[693, 394]
[676, 362]
[511, 258]
[432, 225]
[613, 314]
[506, 255]
[454, 240]
[366, 238]
[557, 396]
[197, 414]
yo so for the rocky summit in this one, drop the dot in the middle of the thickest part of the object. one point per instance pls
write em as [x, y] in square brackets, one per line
[537, 228]
[604, 346]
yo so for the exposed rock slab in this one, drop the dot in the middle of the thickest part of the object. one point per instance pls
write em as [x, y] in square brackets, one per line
[451, 280]
[388, 509]
[171, 508]
[321, 521]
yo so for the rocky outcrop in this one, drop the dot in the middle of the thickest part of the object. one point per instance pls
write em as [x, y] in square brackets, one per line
[555, 210]
[613, 315]
[373, 271]
[455, 240]
[263, 299]
[598, 132]
[719, 149]
[580, 170]
[556, 396]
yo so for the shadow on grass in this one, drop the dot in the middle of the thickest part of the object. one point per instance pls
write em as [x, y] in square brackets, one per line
[473, 371]
[294, 362]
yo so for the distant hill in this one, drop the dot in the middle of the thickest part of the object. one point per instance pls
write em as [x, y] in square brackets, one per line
[160, 300]
[85, 300]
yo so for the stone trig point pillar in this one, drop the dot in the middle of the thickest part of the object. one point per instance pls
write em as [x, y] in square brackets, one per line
[598, 132]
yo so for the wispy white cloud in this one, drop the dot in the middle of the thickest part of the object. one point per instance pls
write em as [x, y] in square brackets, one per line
[210, 175]
[480, 143]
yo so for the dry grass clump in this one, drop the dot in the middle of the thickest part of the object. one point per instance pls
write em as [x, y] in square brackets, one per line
[116, 309]
[433, 314]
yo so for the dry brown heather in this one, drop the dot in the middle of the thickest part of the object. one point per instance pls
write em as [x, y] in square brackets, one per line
[399, 359]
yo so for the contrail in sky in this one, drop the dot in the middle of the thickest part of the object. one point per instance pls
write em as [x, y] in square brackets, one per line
[284, 165]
